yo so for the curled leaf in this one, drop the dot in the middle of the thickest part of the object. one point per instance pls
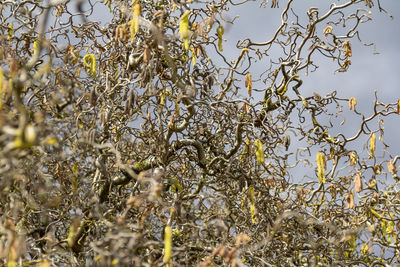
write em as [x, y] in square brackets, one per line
[353, 158]
[391, 167]
[398, 106]
[328, 30]
[352, 103]
[347, 48]
[90, 62]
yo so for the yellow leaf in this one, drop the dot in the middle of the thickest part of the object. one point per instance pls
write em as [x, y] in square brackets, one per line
[136, 15]
[352, 103]
[220, 32]
[259, 152]
[376, 214]
[11, 262]
[134, 23]
[353, 158]
[283, 91]
[372, 183]
[193, 56]
[327, 30]
[253, 212]
[10, 31]
[251, 194]
[391, 167]
[184, 29]
[51, 141]
[372, 144]
[321, 166]
[252, 198]
[45, 263]
[108, 3]
[347, 48]
[365, 249]
[167, 244]
[177, 107]
[248, 82]
[90, 62]
[35, 48]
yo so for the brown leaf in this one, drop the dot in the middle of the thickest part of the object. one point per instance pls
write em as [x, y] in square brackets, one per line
[358, 186]
[221, 251]
[231, 255]
[242, 239]
[207, 263]
[146, 55]
[246, 108]
[350, 200]
[13, 67]
[398, 106]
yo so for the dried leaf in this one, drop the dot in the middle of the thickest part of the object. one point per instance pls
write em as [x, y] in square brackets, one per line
[89, 61]
[352, 103]
[328, 30]
[347, 48]
[246, 108]
[259, 152]
[252, 198]
[391, 167]
[242, 240]
[353, 158]
[358, 183]
[398, 106]
[372, 183]
[372, 144]
[321, 166]
[146, 55]
[220, 32]
[350, 200]
[248, 82]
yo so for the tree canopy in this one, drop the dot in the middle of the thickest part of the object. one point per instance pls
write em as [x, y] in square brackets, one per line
[130, 138]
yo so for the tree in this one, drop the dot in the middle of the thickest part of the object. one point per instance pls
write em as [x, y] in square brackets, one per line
[136, 142]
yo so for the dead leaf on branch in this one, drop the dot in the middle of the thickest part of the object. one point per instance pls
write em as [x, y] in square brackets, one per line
[358, 183]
